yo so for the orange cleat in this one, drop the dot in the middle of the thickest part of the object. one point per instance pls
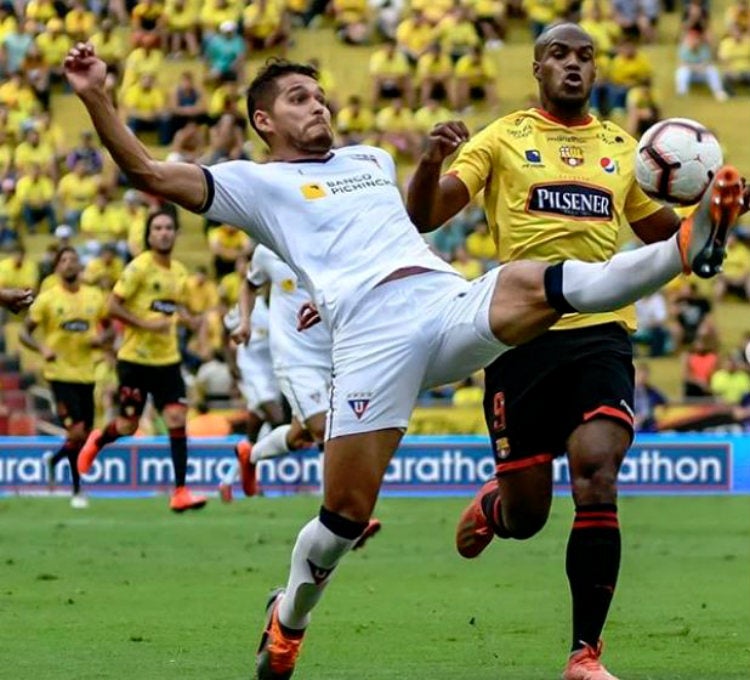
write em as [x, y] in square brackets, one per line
[247, 467]
[373, 526]
[89, 452]
[585, 665]
[279, 648]
[473, 534]
[225, 493]
[183, 500]
[703, 234]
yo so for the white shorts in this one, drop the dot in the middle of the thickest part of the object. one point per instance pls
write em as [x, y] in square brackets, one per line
[405, 336]
[306, 388]
[257, 380]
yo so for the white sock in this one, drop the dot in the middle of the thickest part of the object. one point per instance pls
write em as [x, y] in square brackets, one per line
[272, 445]
[316, 553]
[627, 277]
[232, 473]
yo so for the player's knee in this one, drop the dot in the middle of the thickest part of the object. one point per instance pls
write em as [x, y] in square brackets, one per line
[77, 434]
[523, 525]
[350, 503]
[175, 415]
[596, 481]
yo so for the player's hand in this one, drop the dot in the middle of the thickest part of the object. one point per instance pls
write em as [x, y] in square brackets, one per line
[16, 299]
[84, 70]
[241, 335]
[307, 316]
[444, 139]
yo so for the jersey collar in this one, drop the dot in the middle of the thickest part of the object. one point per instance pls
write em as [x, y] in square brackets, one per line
[579, 123]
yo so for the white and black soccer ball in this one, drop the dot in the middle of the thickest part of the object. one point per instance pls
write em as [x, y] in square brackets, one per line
[676, 160]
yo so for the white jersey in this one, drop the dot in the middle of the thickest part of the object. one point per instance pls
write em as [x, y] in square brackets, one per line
[339, 223]
[290, 348]
[259, 326]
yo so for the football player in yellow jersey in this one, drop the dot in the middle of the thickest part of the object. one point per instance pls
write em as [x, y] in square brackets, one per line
[149, 298]
[558, 184]
[72, 324]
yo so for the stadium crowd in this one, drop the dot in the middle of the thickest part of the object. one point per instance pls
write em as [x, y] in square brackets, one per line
[429, 61]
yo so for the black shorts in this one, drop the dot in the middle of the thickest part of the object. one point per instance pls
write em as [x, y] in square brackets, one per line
[137, 381]
[538, 393]
[74, 402]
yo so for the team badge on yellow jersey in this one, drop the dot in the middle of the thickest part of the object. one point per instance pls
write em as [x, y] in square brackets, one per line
[571, 155]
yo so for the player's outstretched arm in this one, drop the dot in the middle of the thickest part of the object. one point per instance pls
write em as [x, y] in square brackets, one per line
[431, 199]
[180, 183]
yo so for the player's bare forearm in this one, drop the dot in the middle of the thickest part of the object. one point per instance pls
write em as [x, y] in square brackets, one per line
[179, 183]
[26, 337]
[117, 310]
[422, 194]
[660, 226]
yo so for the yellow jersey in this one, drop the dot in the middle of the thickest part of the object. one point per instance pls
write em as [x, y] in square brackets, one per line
[202, 295]
[104, 224]
[151, 291]
[69, 322]
[394, 65]
[23, 275]
[36, 193]
[103, 274]
[554, 192]
[76, 192]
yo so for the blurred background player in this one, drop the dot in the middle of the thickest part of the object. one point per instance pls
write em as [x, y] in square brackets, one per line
[149, 298]
[259, 388]
[72, 327]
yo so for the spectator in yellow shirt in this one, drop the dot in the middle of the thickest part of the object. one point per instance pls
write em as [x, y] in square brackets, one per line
[18, 95]
[354, 122]
[226, 99]
[214, 13]
[735, 275]
[145, 58]
[134, 213]
[738, 14]
[466, 265]
[458, 34]
[18, 271]
[226, 244]
[490, 20]
[542, 13]
[642, 109]
[351, 21]
[203, 293]
[54, 45]
[104, 270]
[36, 192]
[628, 68]
[181, 19]
[145, 108]
[102, 221]
[734, 59]
[432, 113]
[40, 11]
[8, 22]
[265, 25]
[475, 76]
[146, 19]
[37, 72]
[10, 212]
[109, 46]
[390, 73]
[481, 245]
[80, 22]
[76, 191]
[434, 74]
[395, 127]
[414, 36]
[731, 382]
[231, 283]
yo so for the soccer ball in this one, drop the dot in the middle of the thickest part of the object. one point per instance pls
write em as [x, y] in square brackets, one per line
[676, 160]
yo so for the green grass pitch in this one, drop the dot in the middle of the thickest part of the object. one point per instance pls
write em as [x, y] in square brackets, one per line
[128, 590]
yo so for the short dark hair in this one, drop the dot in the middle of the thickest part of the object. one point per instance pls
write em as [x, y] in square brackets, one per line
[59, 255]
[263, 90]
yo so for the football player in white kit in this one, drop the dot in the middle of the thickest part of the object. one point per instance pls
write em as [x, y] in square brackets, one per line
[259, 388]
[401, 319]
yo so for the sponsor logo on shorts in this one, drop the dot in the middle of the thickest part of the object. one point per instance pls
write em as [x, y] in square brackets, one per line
[572, 200]
[318, 573]
[168, 307]
[358, 403]
[75, 326]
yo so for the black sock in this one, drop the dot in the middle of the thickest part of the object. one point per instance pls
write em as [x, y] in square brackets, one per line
[72, 452]
[108, 435]
[592, 565]
[553, 289]
[178, 447]
[493, 514]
